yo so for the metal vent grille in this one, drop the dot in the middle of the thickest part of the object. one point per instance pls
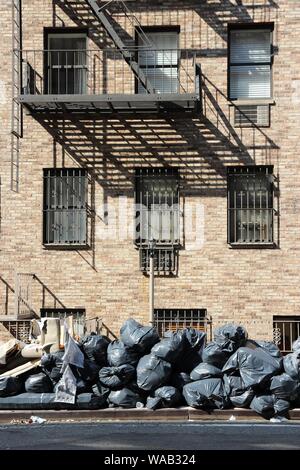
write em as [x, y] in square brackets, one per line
[249, 115]
[165, 260]
[169, 319]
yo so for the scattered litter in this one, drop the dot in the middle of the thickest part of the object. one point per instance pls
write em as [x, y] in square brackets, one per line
[37, 420]
[232, 418]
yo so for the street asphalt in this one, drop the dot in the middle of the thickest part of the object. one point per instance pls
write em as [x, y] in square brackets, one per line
[151, 436]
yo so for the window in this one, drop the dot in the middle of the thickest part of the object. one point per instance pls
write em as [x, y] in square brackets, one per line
[65, 206]
[66, 61]
[165, 260]
[250, 205]
[172, 319]
[159, 62]
[157, 206]
[286, 329]
[250, 61]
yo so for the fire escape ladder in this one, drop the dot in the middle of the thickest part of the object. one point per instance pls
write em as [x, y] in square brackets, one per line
[104, 18]
[16, 112]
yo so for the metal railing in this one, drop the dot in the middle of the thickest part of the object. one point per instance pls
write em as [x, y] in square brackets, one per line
[285, 332]
[105, 71]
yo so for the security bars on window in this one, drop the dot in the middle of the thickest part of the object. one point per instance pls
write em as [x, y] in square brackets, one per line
[250, 205]
[171, 319]
[286, 329]
[165, 260]
[157, 207]
[65, 207]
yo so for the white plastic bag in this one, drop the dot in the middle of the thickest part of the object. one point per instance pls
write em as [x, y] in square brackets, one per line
[66, 387]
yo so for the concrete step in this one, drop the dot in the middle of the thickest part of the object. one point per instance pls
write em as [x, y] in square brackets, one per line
[117, 414]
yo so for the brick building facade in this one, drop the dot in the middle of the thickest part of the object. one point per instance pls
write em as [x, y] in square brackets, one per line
[250, 278]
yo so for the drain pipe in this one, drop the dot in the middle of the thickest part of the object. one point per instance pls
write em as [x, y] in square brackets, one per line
[152, 245]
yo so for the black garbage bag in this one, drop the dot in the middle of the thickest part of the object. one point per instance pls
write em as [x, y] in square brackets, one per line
[152, 372]
[100, 390]
[140, 338]
[255, 366]
[116, 377]
[243, 400]
[268, 346]
[180, 379]
[196, 339]
[234, 385]
[90, 401]
[263, 405]
[83, 387]
[238, 394]
[125, 398]
[52, 364]
[230, 337]
[38, 383]
[205, 371]
[296, 345]
[269, 406]
[95, 348]
[207, 393]
[170, 348]
[215, 355]
[281, 407]
[188, 360]
[291, 365]
[284, 387]
[164, 397]
[89, 373]
[119, 354]
[10, 386]
[153, 403]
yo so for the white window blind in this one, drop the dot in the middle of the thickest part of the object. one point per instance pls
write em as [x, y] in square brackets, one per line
[160, 63]
[250, 64]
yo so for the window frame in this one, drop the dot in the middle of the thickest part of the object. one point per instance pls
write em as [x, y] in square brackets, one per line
[65, 245]
[244, 27]
[156, 29]
[234, 171]
[156, 172]
[59, 31]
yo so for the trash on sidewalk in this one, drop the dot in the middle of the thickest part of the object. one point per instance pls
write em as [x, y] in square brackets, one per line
[37, 420]
[139, 370]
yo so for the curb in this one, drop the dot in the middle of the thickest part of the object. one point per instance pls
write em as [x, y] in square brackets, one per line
[133, 415]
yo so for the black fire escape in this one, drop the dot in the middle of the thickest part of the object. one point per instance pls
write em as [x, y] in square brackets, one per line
[123, 78]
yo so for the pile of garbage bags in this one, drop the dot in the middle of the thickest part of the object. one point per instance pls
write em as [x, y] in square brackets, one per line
[141, 370]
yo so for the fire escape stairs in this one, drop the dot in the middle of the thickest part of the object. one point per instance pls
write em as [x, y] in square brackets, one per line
[104, 17]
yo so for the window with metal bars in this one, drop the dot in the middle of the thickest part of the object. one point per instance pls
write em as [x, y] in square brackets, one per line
[250, 61]
[65, 207]
[250, 205]
[286, 329]
[66, 63]
[165, 260]
[157, 206]
[173, 319]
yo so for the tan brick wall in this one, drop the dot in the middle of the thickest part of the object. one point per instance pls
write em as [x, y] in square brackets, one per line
[247, 286]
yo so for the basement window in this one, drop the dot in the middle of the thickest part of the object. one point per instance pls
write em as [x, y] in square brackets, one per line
[286, 329]
[65, 207]
[173, 319]
[250, 205]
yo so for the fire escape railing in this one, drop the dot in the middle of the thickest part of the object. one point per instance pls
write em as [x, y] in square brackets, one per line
[103, 72]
